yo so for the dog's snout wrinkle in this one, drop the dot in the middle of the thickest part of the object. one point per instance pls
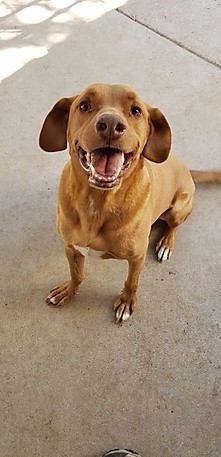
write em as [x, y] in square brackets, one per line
[110, 126]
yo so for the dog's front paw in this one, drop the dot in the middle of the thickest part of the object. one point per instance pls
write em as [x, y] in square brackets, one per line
[61, 294]
[124, 306]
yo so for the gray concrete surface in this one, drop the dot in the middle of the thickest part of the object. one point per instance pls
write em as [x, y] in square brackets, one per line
[194, 25]
[72, 382]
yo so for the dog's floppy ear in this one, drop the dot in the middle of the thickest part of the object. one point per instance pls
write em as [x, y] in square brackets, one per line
[158, 144]
[53, 135]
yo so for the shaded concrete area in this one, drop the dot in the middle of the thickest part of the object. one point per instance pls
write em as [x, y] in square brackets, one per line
[72, 382]
[194, 26]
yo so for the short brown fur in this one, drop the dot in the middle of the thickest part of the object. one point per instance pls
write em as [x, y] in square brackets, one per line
[116, 221]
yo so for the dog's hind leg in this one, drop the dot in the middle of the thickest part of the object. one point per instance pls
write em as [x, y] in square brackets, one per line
[181, 208]
[63, 293]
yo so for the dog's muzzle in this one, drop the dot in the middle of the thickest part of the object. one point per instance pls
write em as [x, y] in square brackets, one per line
[105, 166]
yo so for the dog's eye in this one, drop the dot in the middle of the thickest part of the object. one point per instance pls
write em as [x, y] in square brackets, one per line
[136, 111]
[84, 106]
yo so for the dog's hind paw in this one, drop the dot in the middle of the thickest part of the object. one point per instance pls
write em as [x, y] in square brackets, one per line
[163, 253]
[164, 247]
[124, 308]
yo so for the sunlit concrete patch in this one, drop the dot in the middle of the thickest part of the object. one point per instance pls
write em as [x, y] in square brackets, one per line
[64, 18]
[89, 10]
[12, 59]
[4, 10]
[15, 4]
[25, 13]
[10, 34]
[34, 14]
[56, 37]
[61, 4]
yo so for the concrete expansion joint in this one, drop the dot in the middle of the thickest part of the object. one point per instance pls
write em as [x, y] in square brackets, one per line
[176, 42]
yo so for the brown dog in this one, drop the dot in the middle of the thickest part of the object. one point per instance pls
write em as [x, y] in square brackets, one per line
[119, 181]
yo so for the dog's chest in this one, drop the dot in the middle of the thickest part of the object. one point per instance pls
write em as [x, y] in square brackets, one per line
[92, 211]
[86, 251]
[93, 234]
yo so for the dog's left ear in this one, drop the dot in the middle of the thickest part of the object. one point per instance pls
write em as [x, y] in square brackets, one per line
[158, 144]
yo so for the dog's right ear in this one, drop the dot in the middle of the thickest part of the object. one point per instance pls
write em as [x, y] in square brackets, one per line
[53, 135]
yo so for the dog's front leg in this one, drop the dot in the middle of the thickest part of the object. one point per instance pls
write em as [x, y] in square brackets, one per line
[126, 304]
[63, 293]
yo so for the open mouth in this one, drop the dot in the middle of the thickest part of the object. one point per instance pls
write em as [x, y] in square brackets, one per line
[105, 166]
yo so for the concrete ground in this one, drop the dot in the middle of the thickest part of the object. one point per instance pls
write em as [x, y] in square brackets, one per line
[72, 382]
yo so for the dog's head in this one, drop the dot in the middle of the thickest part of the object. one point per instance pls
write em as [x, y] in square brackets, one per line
[108, 128]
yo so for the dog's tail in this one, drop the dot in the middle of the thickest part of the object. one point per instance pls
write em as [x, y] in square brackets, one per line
[206, 176]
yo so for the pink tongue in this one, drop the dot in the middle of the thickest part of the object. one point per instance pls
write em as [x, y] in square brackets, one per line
[106, 164]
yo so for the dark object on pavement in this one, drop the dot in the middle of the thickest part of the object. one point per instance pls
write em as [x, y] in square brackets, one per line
[121, 453]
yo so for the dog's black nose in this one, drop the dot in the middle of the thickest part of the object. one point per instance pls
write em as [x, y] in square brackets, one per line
[110, 126]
